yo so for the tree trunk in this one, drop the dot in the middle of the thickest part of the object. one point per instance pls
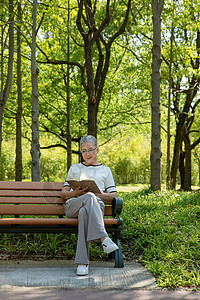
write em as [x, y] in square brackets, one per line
[92, 103]
[35, 146]
[91, 35]
[5, 91]
[199, 170]
[176, 155]
[92, 117]
[182, 167]
[157, 7]
[188, 164]
[182, 117]
[69, 138]
[168, 179]
[2, 102]
[18, 160]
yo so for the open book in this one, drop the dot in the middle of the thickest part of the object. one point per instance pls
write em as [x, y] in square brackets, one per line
[84, 181]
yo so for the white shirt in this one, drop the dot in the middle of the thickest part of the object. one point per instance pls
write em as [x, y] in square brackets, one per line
[100, 173]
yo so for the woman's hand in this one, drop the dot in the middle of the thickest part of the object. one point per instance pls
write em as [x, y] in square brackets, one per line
[66, 193]
[79, 192]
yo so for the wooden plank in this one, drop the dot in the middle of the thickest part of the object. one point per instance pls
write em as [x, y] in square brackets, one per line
[28, 193]
[39, 210]
[13, 185]
[36, 200]
[11, 200]
[108, 211]
[32, 189]
[48, 221]
[32, 210]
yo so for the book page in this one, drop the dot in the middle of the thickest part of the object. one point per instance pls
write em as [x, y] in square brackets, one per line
[85, 176]
[85, 181]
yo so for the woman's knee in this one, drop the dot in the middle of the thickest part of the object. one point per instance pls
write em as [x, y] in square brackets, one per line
[82, 213]
[91, 198]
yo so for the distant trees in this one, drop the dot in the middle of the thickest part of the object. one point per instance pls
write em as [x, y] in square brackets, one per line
[185, 84]
[185, 109]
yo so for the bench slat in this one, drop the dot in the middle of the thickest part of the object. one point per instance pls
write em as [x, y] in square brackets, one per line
[32, 210]
[40, 198]
[49, 221]
[17, 185]
[39, 210]
[28, 193]
[30, 200]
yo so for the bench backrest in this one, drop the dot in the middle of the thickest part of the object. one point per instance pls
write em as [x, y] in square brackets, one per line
[34, 198]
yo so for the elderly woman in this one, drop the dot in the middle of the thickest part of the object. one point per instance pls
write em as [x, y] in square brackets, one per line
[89, 207]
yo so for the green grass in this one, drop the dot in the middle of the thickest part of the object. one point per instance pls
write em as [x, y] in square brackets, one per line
[128, 188]
[160, 230]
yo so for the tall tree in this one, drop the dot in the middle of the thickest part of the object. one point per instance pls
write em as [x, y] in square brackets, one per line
[185, 160]
[35, 146]
[92, 34]
[183, 113]
[97, 31]
[18, 159]
[168, 177]
[68, 129]
[157, 7]
[6, 83]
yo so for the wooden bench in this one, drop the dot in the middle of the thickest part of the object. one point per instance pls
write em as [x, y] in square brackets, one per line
[36, 207]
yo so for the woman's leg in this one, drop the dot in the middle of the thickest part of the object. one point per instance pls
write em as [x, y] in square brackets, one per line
[91, 225]
[73, 205]
[82, 247]
[95, 229]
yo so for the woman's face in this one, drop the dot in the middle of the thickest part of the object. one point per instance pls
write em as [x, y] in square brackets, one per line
[89, 152]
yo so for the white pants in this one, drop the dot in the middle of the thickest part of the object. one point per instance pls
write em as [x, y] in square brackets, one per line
[89, 209]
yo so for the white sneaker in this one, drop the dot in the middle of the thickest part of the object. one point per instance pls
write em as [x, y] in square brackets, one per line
[82, 270]
[109, 246]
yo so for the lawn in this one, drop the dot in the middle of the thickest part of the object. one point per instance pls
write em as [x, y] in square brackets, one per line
[160, 230]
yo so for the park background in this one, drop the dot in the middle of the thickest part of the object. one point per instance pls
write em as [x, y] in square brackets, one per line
[69, 68]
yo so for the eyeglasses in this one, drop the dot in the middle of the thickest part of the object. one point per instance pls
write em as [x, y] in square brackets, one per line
[89, 151]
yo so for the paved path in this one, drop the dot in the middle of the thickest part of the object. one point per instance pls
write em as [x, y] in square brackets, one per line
[62, 274]
[55, 280]
[61, 294]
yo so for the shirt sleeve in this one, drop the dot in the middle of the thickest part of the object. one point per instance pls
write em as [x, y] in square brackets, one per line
[110, 186]
[69, 174]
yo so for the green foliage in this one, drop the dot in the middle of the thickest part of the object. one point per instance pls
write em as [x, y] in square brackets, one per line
[124, 109]
[53, 163]
[39, 245]
[52, 169]
[7, 166]
[128, 157]
[162, 230]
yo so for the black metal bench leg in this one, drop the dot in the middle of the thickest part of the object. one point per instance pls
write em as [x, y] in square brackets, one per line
[119, 262]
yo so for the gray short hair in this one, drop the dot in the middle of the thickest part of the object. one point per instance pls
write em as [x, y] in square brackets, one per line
[89, 138]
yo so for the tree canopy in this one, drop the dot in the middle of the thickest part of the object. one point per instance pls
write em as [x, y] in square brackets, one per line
[94, 62]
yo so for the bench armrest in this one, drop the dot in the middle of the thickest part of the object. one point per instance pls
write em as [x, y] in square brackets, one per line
[117, 204]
